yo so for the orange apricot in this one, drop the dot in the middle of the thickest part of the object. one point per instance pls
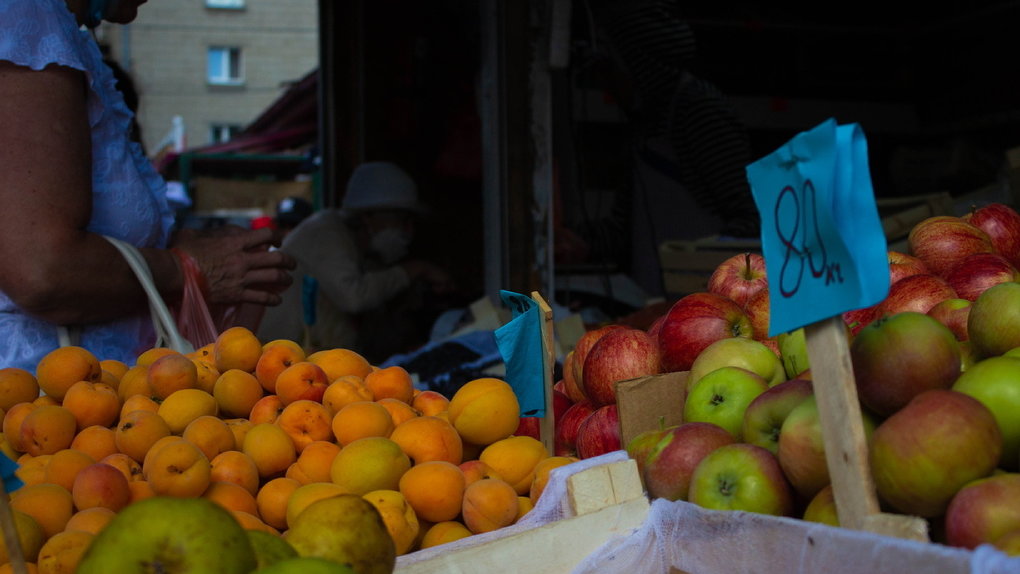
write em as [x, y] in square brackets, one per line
[12, 424]
[47, 429]
[271, 448]
[63, 551]
[237, 467]
[272, 499]
[90, 519]
[138, 431]
[370, 463]
[444, 532]
[138, 403]
[343, 391]
[231, 496]
[96, 441]
[301, 381]
[129, 467]
[205, 375]
[339, 362]
[170, 373]
[542, 470]
[399, 410]
[178, 468]
[210, 434]
[92, 403]
[237, 348]
[306, 494]
[391, 383]
[65, 366]
[429, 438]
[64, 465]
[306, 421]
[430, 403]
[236, 392]
[100, 484]
[359, 420]
[266, 410]
[434, 489]
[49, 504]
[485, 410]
[314, 462]
[239, 427]
[17, 386]
[276, 356]
[184, 406]
[134, 382]
[149, 356]
[489, 504]
[515, 459]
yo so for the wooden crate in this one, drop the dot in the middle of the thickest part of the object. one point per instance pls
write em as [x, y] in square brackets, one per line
[603, 501]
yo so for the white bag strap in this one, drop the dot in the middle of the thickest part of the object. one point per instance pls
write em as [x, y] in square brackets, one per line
[166, 328]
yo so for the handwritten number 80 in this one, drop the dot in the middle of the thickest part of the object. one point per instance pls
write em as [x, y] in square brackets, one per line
[793, 239]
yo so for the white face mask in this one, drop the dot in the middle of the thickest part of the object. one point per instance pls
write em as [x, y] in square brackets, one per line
[391, 244]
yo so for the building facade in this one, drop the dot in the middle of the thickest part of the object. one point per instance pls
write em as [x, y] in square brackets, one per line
[214, 65]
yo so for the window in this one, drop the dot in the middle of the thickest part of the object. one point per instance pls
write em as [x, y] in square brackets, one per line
[228, 4]
[219, 133]
[225, 65]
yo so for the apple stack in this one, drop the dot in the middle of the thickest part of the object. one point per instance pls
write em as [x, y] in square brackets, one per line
[937, 367]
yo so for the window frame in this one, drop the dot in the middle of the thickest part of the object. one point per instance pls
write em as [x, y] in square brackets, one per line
[228, 55]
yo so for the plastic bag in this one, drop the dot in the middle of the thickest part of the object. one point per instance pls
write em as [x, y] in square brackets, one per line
[200, 322]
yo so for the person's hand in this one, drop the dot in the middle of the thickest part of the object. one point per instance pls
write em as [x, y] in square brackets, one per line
[238, 264]
[435, 276]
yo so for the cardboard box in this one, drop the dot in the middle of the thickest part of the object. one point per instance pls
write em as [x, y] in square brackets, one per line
[650, 403]
[213, 194]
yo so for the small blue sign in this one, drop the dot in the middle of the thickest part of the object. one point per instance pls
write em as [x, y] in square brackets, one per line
[824, 246]
[520, 344]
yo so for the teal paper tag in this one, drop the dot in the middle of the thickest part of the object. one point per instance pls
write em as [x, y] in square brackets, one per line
[8, 467]
[824, 245]
[520, 344]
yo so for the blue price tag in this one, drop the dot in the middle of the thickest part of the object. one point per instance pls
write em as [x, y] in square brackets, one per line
[824, 246]
[520, 344]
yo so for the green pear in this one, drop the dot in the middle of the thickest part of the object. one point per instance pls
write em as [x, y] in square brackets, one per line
[306, 565]
[172, 536]
[269, 548]
[347, 529]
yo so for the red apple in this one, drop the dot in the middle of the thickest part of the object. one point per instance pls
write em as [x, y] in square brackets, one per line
[741, 476]
[653, 329]
[565, 442]
[923, 454]
[943, 241]
[671, 462]
[915, 293]
[757, 310]
[695, 322]
[764, 417]
[642, 444]
[619, 355]
[984, 510]
[857, 319]
[953, 313]
[1002, 224]
[572, 385]
[897, 357]
[979, 271]
[529, 426]
[994, 321]
[904, 265]
[584, 345]
[739, 277]
[599, 432]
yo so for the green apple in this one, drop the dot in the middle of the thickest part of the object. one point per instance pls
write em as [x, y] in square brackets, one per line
[749, 354]
[642, 444]
[764, 417]
[741, 476]
[347, 529]
[306, 565]
[170, 535]
[722, 396]
[822, 508]
[996, 383]
[1014, 352]
[793, 350]
[269, 548]
[994, 320]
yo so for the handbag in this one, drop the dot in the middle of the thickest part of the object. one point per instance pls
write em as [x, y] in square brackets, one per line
[167, 333]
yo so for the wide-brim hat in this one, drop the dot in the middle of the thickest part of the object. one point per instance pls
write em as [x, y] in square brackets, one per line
[379, 185]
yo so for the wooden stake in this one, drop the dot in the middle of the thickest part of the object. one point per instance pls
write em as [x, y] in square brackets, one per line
[11, 540]
[846, 448]
[546, 430]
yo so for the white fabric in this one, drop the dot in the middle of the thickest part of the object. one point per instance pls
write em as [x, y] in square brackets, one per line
[680, 535]
[129, 196]
[325, 249]
[380, 185]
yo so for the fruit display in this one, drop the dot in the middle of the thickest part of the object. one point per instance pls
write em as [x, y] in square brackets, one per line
[182, 458]
[937, 372]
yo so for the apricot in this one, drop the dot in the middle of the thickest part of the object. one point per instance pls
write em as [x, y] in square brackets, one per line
[178, 469]
[140, 490]
[236, 393]
[17, 386]
[210, 434]
[343, 391]
[91, 520]
[49, 504]
[13, 418]
[237, 348]
[430, 403]
[339, 362]
[92, 404]
[306, 421]
[371, 463]
[542, 470]
[63, 551]
[515, 459]
[429, 438]
[205, 375]
[359, 420]
[237, 467]
[64, 465]
[96, 441]
[400, 519]
[65, 366]
[149, 356]
[138, 403]
[100, 484]
[171, 373]
[444, 532]
[231, 496]
[147, 461]
[524, 506]
[434, 489]
[399, 410]
[47, 429]
[476, 470]
[489, 504]
[32, 469]
[266, 410]
[184, 406]
[134, 382]
[301, 381]
[391, 383]
[250, 521]
[276, 356]
[239, 427]
[485, 410]
[30, 535]
[272, 498]
[271, 448]
[114, 367]
[203, 353]
[315, 462]
[129, 467]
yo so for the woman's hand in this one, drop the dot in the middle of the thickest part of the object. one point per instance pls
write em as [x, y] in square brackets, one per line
[237, 264]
